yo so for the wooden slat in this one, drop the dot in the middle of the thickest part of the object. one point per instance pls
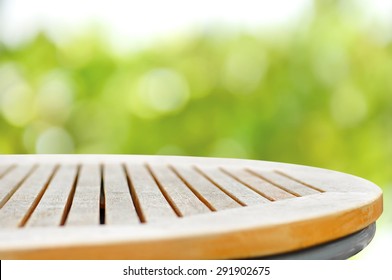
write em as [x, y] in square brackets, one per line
[215, 198]
[180, 195]
[85, 208]
[20, 206]
[232, 186]
[284, 182]
[12, 180]
[299, 181]
[118, 202]
[148, 198]
[53, 205]
[262, 187]
[4, 169]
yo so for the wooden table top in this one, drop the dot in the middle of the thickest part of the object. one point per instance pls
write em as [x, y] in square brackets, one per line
[163, 207]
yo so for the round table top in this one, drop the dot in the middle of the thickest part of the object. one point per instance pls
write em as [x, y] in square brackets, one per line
[167, 207]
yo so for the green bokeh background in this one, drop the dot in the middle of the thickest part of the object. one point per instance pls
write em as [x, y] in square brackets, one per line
[319, 94]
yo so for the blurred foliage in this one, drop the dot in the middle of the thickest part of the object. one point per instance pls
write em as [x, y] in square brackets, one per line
[319, 94]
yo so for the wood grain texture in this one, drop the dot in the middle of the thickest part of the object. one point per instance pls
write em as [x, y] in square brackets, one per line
[153, 204]
[4, 169]
[246, 195]
[85, 208]
[264, 188]
[18, 208]
[285, 183]
[260, 208]
[181, 196]
[211, 195]
[118, 202]
[12, 181]
[53, 205]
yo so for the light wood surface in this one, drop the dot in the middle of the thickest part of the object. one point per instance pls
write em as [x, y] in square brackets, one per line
[180, 196]
[24, 200]
[214, 197]
[161, 207]
[119, 207]
[10, 183]
[85, 206]
[4, 169]
[54, 203]
[149, 200]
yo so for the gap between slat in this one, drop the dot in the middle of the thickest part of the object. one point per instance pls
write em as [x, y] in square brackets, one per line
[271, 182]
[102, 205]
[219, 187]
[133, 194]
[38, 198]
[196, 193]
[298, 181]
[71, 195]
[247, 185]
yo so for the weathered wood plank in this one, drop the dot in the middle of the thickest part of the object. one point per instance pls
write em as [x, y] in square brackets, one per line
[4, 168]
[54, 205]
[210, 194]
[263, 187]
[238, 190]
[284, 182]
[85, 208]
[12, 180]
[20, 206]
[153, 205]
[181, 196]
[118, 202]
